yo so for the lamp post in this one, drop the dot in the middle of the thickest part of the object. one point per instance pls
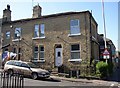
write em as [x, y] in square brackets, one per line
[19, 44]
[104, 23]
[18, 41]
[106, 53]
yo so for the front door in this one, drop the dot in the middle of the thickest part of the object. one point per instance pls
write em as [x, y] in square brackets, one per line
[58, 57]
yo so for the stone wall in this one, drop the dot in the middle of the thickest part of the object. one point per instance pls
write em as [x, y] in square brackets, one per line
[57, 30]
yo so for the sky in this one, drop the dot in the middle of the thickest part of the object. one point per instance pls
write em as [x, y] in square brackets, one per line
[119, 26]
[23, 10]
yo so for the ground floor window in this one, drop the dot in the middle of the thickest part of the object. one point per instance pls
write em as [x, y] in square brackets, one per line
[39, 52]
[36, 53]
[75, 51]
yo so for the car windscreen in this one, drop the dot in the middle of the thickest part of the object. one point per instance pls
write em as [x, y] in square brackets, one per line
[33, 65]
[11, 63]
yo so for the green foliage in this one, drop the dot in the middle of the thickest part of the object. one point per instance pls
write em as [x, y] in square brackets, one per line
[101, 69]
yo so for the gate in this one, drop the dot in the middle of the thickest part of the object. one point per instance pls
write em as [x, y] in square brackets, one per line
[11, 81]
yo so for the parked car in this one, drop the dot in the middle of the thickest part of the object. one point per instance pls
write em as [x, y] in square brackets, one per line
[25, 68]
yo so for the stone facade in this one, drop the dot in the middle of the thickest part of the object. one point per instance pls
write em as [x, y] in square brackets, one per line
[57, 33]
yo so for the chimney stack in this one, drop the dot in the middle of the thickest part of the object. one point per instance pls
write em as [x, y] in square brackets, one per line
[37, 11]
[7, 14]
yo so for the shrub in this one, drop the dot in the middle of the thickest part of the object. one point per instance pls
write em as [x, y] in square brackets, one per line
[102, 69]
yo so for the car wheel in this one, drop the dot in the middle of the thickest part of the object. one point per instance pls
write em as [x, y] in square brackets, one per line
[10, 72]
[34, 75]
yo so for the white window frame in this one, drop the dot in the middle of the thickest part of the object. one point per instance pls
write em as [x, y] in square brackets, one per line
[76, 26]
[42, 52]
[36, 30]
[40, 30]
[8, 35]
[76, 51]
[36, 52]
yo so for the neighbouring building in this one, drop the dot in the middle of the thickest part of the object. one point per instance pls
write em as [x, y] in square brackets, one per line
[119, 26]
[63, 42]
[0, 43]
[110, 47]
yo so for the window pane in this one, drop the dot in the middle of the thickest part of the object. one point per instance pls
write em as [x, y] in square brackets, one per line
[36, 48]
[75, 55]
[41, 55]
[36, 55]
[11, 63]
[59, 54]
[75, 47]
[36, 31]
[7, 35]
[75, 30]
[17, 63]
[41, 48]
[74, 27]
[74, 23]
[24, 65]
[41, 52]
[42, 27]
[17, 32]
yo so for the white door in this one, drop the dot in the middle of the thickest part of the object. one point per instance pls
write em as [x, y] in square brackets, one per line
[58, 57]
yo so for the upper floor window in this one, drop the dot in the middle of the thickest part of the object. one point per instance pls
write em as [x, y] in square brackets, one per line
[36, 31]
[42, 30]
[39, 30]
[8, 35]
[17, 33]
[74, 27]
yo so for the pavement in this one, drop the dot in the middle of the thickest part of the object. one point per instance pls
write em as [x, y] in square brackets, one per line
[82, 80]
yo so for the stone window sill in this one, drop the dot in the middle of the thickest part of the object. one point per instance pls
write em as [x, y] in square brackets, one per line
[16, 40]
[75, 60]
[39, 38]
[71, 35]
[38, 60]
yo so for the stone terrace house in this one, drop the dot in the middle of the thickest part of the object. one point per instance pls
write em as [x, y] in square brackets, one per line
[60, 42]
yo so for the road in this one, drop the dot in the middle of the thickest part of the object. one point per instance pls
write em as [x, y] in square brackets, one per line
[58, 82]
[52, 82]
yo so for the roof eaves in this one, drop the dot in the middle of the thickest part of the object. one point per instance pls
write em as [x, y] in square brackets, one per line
[45, 16]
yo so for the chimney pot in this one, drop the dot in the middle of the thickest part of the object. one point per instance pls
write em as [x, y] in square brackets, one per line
[8, 7]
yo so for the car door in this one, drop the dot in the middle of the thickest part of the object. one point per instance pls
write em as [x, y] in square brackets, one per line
[25, 69]
[16, 67]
